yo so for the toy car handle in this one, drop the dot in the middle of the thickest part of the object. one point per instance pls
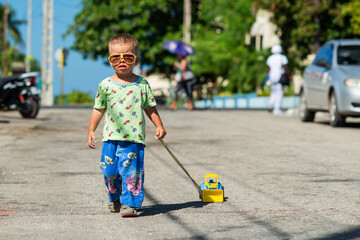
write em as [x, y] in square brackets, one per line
[182, 167]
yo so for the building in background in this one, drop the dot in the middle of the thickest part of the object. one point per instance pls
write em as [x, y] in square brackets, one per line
[263, 31]
[263, 36]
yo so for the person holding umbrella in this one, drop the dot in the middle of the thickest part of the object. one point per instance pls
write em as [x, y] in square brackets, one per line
[184, 76]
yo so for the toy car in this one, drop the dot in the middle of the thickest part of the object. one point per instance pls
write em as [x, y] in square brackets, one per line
[212, 190]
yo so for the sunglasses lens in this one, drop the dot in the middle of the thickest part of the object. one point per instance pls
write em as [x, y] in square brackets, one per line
[129, 58]
[115, 58]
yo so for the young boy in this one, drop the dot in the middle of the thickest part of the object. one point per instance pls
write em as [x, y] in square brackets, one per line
[122, 97]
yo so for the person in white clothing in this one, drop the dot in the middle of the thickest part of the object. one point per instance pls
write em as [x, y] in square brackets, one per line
[277, 63]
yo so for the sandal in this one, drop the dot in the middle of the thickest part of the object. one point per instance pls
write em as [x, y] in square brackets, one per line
[127, 211]
[114, 207]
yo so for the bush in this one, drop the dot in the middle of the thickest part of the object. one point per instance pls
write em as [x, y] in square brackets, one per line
[266, 91]
[76, 97]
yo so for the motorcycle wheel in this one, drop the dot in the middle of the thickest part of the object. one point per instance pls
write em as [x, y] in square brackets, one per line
[30, 108]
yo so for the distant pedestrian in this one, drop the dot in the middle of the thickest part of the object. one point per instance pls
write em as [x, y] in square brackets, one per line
[185, 80]
[277, 64]
[122, 98]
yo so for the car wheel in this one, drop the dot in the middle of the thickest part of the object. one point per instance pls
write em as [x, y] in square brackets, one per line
[336, 119]
[305, 114]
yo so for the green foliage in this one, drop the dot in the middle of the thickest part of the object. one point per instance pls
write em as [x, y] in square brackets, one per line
[76, 97]
[151, 22]
[248, 72]
[13, 54]
[218, 32]
[13, 26]
[304, 26]
[352, 10]
[219, 42]
[34, 64]
[79, 97]
[266, 91]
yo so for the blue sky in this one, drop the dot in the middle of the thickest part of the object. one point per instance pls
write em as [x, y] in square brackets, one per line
[79, 74]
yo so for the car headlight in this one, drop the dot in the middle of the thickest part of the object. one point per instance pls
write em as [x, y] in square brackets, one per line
[352, 82]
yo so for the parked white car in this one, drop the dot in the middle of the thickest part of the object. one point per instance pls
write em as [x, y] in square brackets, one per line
[331, 83]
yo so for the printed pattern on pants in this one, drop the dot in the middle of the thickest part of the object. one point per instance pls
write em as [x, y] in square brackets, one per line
[122, 163]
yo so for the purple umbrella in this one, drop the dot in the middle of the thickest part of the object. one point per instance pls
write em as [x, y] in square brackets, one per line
[177, 47]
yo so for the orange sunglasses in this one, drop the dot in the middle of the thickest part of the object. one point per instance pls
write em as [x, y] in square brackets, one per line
[129, 58]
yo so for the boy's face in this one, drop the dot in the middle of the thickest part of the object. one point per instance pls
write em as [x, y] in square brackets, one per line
[123, 66]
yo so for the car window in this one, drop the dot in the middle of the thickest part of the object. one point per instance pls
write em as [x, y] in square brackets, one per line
[321, 54]
[329, 54]
[348, 55]
[324, 56]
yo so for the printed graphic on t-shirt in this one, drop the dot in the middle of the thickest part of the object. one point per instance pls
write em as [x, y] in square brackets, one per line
[124, 103]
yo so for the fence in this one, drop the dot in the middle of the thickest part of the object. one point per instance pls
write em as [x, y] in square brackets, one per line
[241, 101]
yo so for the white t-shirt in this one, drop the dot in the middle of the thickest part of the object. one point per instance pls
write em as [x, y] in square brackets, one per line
[275, 63]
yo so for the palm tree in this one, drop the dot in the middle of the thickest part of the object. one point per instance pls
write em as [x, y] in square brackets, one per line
[12, 26]
[9, 53]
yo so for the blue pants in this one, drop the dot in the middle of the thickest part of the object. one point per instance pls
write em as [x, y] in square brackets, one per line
[122, 164]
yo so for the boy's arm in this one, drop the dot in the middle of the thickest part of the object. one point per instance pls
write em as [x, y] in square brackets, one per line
[154, 116]
[95, 119]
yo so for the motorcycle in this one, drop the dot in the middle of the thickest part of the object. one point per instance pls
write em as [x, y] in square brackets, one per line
[20, 91]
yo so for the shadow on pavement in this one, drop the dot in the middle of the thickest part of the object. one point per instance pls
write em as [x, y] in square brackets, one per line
[347, 124]
[353, 233]
[165, 208]
[158, 208]
[18, 117]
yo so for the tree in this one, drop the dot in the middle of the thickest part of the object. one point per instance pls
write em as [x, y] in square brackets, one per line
[12, 53]
[151, 22]
[352, 9]
[219, 30]
[13, 26]
[219, 41]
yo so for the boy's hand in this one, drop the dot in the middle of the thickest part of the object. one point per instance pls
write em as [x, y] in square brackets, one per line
[90, 139]
[153, 114]
[160, 132]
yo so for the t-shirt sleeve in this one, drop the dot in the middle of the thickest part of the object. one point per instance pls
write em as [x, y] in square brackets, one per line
[148, 98]
[100, 99]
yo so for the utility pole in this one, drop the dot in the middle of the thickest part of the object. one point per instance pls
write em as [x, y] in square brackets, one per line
[60, 56]
[28, 36]
[47, 65]
[187, 21]
[6, 18]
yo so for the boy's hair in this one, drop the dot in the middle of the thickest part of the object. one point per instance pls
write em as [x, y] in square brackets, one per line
[124, 38]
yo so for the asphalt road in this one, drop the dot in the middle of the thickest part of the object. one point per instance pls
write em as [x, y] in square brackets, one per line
[283, 179]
